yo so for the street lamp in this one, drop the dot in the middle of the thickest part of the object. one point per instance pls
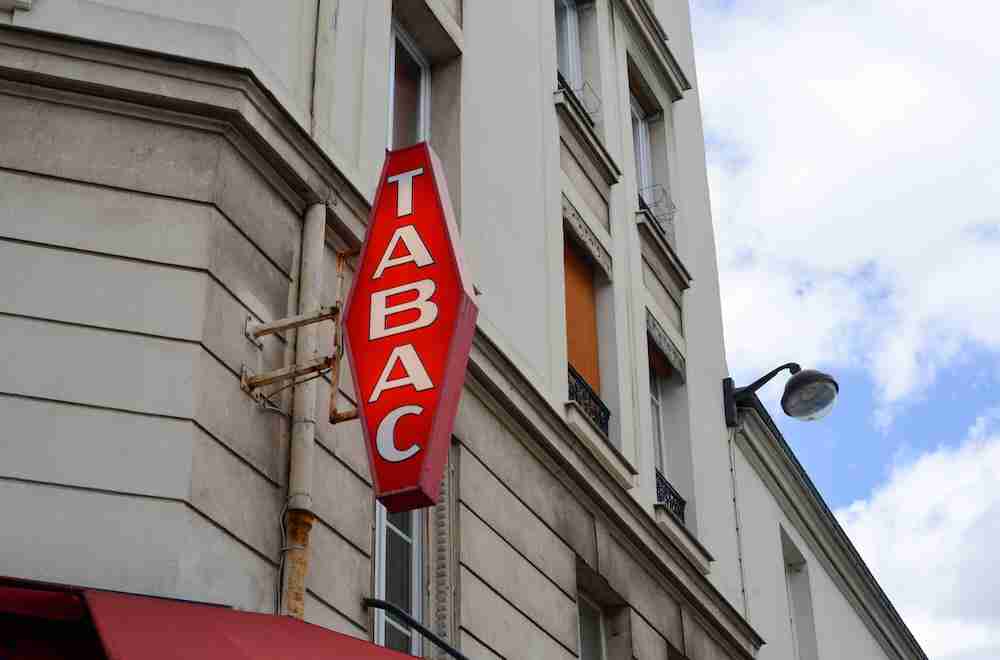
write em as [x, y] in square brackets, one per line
[808, 395]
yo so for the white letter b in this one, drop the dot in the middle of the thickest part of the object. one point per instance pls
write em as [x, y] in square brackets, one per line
[380, 312]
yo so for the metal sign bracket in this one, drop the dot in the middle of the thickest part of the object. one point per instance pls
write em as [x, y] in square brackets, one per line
[254, 330]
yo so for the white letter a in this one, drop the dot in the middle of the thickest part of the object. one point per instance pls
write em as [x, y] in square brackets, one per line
[416, 375]
[416, 251]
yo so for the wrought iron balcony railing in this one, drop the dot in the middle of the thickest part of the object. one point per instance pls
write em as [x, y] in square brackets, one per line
[656, 201]
[669, 498]
[589, 401]
[584, 96]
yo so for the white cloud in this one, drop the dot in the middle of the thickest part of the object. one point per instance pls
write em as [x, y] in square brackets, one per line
[854, 158]
[930, 534]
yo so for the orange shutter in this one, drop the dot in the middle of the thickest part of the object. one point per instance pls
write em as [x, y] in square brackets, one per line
[581, 317]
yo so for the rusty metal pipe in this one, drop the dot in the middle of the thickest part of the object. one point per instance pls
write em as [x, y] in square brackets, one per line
[300, 460]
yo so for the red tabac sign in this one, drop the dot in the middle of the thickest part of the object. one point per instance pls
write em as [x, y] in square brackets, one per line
[408, 325]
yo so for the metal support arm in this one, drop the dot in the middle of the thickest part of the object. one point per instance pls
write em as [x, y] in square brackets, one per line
[375, 603]
[255, 330]
[249, 382]
[731, 395]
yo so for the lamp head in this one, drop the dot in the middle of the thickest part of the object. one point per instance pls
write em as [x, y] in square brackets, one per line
[809, 395]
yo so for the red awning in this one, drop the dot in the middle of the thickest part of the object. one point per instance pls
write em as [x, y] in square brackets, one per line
[143, 628]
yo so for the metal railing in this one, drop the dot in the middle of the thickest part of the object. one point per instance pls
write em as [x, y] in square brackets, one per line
[584, 96]
[656, 201]
[669, 497]
[589, 401]
[378, 604]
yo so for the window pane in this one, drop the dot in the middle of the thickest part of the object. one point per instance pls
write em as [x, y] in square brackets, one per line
[654, 397]
[402, 522]
[398, 571]
[561, 46]
[591, 638]
[641, 147]
[396, 639]
[636, 145]
[568, 42]
[406, 99]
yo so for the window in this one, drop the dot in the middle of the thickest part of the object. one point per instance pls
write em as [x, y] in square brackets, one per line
[409, 92]
[581, 317]
[591, 629]
[651, 149]
[668, 405]
[643, 153]
[801, 626]
[398, 576]
[568, 42]
[662, 385]
[656, 408]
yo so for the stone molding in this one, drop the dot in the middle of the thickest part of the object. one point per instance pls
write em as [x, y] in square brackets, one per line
[443, 561]
[654, 38]
[586, 238]
[663, 342]
[219, 98]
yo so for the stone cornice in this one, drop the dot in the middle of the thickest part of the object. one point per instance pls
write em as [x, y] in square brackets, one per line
[791, 486]
[654, 37]
[229, 100]
[543, 429]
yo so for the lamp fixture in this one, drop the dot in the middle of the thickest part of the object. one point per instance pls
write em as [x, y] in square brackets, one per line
[809, 394]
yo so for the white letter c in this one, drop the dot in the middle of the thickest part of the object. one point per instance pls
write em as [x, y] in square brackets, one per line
[385, 438]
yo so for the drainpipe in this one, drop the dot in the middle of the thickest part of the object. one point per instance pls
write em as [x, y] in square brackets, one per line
[739, 524]
[300, 469]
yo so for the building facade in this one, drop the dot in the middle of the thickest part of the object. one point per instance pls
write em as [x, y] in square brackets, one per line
[158, 162]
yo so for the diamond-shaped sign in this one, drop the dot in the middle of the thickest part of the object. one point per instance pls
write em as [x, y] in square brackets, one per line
[408, 326]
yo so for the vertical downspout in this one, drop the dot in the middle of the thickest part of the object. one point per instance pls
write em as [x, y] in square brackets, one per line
[739, 525]
[300, 459]
[313, 74]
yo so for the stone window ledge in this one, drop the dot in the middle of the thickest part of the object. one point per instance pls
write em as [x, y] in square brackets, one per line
[651, 234]
[683, 539]
[580, 123]
[599, 446]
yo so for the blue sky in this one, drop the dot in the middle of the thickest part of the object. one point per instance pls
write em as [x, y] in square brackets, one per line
[847, 457]
[854, 164]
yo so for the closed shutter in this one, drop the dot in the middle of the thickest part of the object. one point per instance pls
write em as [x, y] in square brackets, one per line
[581, 317]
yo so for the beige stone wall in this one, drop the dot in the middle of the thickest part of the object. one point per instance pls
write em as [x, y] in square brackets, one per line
[133, 247]
[138, 231]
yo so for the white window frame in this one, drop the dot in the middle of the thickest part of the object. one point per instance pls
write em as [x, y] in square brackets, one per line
[642, 146]
[400, 36]
[568, 33]
[656, 410]
[791, 612]
[416, 575]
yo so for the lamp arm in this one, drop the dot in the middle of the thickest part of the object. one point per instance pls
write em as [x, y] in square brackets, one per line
[793, 367]
[731, 394]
